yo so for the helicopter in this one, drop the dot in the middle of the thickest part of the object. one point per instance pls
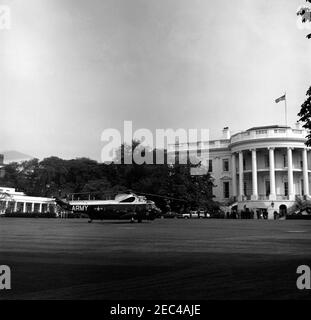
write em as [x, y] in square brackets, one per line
[121, 206]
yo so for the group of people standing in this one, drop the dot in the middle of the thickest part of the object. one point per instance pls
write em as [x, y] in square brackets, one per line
[247, 213]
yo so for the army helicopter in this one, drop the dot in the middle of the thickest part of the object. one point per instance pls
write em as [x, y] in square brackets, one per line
[122, 206]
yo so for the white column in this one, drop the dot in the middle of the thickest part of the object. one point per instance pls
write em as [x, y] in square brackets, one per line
[233, 171]
[24, 207]
[254, 175]
[15, 206]
[290, 174]
[32, 207]
[241, 176]
[305, 172]
[40, 207]
[272, 174]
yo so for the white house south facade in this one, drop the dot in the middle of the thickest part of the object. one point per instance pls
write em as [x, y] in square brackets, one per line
[260, 168]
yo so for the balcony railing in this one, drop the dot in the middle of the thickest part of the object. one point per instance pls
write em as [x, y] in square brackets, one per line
[266, 198]
[281, 197]
[269, 133]
[263, 197]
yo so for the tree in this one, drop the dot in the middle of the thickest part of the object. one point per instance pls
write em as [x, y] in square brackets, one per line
[305, 115]
[160, 182]
[305, 13]
[97, 187]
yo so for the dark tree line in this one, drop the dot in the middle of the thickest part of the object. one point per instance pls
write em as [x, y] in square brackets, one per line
[166, 184]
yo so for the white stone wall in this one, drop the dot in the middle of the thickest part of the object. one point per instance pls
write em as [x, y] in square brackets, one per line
[260, 139]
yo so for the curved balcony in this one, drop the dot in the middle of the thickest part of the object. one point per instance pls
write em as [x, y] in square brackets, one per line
[269, 132]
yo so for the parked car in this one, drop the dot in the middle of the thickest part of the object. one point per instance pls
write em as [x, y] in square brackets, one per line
[196, 214]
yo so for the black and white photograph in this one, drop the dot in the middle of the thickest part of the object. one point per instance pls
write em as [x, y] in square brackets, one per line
[155, 154]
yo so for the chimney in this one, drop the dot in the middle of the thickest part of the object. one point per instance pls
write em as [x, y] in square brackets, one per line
[226, 133]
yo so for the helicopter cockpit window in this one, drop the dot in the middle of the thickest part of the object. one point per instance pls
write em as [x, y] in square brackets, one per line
[130, 199]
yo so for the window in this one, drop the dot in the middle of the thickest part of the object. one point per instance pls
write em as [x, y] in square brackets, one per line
[284, 160]
[267, 182]
[130, 199]
[302, 188]
[261, 131]
[225, 165]
[210, 165]
[286, 189]
[266, 161]
[245, 188]
[199, 149]
[226, 190]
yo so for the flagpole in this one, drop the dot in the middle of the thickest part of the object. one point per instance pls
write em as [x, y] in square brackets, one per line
[285, 109]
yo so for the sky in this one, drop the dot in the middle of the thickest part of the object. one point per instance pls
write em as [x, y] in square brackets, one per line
[70, 69]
